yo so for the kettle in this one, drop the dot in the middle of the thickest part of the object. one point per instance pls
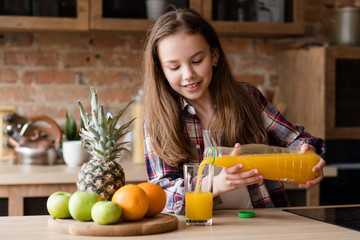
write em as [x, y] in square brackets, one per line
[35, 149]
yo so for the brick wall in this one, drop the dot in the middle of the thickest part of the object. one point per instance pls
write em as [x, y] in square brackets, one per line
[47, 73]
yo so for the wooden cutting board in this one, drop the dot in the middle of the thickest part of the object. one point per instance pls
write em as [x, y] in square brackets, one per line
[159, 224]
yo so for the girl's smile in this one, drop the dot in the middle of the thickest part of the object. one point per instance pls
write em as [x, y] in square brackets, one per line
[192, 86]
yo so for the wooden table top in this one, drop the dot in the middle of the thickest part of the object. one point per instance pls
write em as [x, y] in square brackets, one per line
[267, 224]
[17, 174]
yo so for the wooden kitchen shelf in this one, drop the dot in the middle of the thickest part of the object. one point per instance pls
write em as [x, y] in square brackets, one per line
[90, 18]
[100, 23]
[34, 23]
[259, 29]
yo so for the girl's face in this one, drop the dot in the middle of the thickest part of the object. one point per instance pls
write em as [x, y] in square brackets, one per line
[187, 62]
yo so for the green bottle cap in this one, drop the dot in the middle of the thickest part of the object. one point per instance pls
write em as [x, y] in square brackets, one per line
[246, 214]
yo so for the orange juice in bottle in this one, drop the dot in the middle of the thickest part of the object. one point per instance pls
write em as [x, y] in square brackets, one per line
[274, 163]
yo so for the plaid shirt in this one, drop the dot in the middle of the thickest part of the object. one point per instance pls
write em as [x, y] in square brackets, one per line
[268, 194]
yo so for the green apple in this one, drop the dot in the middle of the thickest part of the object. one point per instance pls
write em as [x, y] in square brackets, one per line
[106, 212]
[58, 204]
[80, 205]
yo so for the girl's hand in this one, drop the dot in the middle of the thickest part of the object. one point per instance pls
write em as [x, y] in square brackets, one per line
[230, 178]
[318, 168]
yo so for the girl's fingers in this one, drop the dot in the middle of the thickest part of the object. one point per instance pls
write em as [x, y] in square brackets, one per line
[236, 150]
[246, 181]
[232, 179]
[241, 175]
[318, 168]
[307, 147]
[234, 169]
[312, 183]
[320, 165]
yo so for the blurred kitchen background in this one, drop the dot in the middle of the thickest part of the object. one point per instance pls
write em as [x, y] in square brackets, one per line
[45, 70]
[51, 51]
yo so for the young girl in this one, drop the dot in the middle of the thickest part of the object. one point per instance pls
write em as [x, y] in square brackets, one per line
[193, 101]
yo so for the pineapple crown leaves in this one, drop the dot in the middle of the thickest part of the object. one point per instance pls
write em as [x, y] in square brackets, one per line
[99, 133]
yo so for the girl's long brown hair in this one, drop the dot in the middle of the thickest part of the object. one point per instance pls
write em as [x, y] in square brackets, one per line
[237, 116]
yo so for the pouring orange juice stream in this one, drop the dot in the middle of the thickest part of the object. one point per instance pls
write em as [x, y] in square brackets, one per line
[274, 163]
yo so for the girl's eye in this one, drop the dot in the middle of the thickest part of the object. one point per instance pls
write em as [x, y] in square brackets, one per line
[174, 68]
[198, 61]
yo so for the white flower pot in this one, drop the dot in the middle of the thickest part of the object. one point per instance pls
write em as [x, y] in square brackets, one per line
[74, 153]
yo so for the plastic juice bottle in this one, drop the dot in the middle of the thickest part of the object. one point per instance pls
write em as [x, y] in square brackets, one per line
[274, 163]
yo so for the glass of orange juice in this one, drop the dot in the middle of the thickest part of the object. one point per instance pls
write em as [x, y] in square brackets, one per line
[198, 193]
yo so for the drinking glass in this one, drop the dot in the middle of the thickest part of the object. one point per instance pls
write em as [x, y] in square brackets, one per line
[198, 193]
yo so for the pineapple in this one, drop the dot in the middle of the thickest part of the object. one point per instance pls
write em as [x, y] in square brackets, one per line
[102, 174]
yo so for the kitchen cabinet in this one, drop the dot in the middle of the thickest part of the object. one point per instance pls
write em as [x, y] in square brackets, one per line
[26, 22]
[99, 22]
[293, 26]
[293, 22]
[91, 16]
[320, 87]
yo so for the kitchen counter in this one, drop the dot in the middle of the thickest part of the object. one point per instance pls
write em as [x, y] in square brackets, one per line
[13, 174]
[20, 181]
[267, 224]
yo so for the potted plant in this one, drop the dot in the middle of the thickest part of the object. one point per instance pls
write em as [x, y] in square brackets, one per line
[74, 153]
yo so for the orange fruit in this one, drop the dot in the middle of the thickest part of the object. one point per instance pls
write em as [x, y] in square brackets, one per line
[157, 198]
[133, 202]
